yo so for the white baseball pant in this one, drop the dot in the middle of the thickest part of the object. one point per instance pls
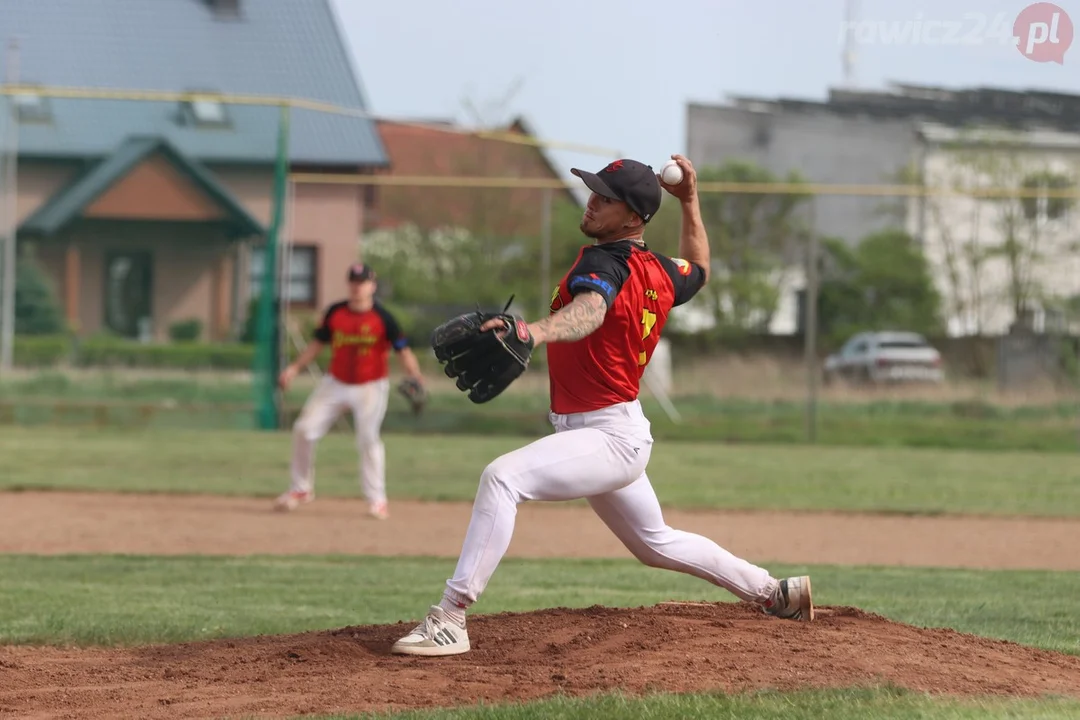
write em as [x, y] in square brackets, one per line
[330, 398]
[599, 455]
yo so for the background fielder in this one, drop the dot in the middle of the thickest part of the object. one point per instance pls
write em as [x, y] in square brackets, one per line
[606, 318]
[361, 333]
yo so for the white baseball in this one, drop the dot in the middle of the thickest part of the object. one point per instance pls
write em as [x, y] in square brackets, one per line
[671, 173]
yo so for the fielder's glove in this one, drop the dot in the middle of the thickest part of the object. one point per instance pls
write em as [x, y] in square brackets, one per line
[483, 362]
[414, 393]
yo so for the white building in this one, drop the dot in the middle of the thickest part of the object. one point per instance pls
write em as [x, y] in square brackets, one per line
[880, 138]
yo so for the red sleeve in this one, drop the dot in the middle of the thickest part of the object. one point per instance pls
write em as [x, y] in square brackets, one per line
[687, 277]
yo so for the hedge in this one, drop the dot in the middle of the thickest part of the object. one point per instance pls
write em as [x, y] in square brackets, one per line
[40, 350]
[50, 351]
[96, 352]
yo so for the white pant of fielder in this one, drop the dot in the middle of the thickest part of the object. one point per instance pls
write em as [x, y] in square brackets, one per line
[599, 455]
[330, 399]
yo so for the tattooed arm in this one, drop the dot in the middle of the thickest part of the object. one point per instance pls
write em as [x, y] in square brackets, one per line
[593, 284]
[581, 317]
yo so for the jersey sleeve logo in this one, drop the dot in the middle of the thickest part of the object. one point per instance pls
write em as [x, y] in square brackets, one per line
[595, 281]
[556, 299]
[684, 266]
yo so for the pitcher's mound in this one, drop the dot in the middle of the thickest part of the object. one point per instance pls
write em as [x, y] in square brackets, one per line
[675, 647]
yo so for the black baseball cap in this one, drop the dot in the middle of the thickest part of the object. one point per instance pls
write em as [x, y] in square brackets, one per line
[359, 272]
[632, 182]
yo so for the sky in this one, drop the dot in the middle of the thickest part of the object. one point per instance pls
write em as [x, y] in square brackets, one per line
[615, 76]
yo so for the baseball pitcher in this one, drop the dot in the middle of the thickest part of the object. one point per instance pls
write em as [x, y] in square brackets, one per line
[360, 333]
[605, 319]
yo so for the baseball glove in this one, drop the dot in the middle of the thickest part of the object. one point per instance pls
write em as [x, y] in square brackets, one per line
[414, 393]
[484, 363]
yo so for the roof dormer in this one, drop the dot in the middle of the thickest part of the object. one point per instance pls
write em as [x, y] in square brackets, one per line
[225, 9]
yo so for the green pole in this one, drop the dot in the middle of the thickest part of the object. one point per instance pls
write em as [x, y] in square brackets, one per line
[268, 349]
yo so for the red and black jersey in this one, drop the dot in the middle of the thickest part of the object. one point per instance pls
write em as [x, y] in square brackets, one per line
[360, 342]
[640, 287]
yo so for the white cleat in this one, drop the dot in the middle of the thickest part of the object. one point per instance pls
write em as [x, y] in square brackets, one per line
[436, 636]
[293, 499]
[792, 600]
[379, 510]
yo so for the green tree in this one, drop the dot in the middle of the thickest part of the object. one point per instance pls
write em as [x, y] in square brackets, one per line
[883, 283]
[754, 239]
[37, 309]
[458, 244]
[437, 266]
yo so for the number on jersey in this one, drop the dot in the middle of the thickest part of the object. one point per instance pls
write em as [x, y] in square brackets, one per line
[648, 319]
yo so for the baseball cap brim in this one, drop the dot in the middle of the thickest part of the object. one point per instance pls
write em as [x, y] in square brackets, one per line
[594, 183]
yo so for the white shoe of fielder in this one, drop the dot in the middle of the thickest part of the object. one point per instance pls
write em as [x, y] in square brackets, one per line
[436, 636]
[293, 499]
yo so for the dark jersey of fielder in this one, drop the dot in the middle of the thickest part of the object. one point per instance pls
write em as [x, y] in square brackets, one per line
[640, 287]
[360, 342]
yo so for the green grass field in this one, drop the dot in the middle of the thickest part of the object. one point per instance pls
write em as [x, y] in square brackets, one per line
[119, 600]
[872, 419]
[124, 600]
[707, 475]
[888, 703]
[135, 600]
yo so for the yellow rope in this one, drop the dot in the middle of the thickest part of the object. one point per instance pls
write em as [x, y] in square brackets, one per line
[463, 181]
[506, 182]
[82, 93]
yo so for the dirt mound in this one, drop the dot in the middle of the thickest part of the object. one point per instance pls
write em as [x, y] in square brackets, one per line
[669, 647]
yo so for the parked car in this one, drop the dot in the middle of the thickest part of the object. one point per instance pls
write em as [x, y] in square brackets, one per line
[885, 357]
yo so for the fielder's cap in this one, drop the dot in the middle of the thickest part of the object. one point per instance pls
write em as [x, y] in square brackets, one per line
[359, 272]
[632, 182]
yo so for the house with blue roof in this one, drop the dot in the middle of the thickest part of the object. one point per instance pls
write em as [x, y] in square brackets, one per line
[149, 213]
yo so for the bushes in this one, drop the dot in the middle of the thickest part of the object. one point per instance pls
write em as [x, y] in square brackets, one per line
[40, 351]
[180, 356]
[186, 330]
[95, 352]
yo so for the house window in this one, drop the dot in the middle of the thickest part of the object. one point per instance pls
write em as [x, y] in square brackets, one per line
[31, 107]
[1042, 208]
[298, 281]
[206, 111]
